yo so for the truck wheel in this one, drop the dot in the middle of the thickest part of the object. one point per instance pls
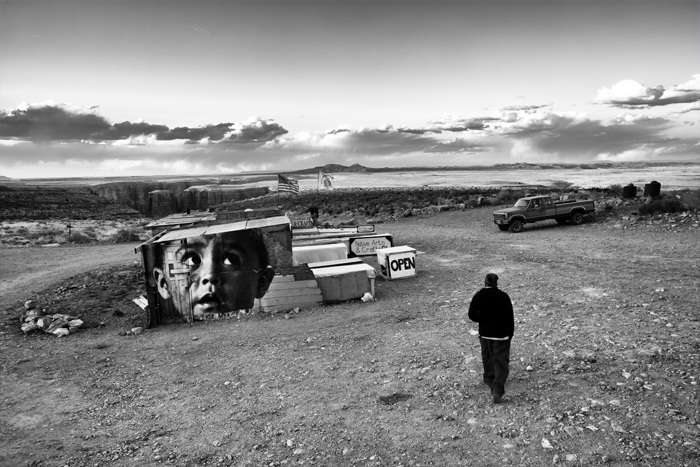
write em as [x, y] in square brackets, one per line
[576, 218]
[561, 221]
[516, 226]
[503, 228]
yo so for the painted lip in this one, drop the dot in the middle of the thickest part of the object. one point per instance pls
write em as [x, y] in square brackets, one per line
[209, 303]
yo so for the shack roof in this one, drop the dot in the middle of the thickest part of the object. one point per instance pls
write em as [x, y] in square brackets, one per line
[182, 219]
[199, 230]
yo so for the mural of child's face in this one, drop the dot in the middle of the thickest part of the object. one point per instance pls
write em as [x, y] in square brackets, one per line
[226, 271]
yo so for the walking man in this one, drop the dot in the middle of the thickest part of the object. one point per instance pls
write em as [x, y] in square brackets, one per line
[493, 310]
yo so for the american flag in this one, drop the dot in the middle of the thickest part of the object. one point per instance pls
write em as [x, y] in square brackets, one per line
[287, 184]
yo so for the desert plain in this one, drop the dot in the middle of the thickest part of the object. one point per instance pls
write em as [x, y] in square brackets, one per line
[605, 361]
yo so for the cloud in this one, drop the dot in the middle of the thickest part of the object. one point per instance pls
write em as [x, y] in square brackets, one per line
[522, 107]
[632, 94]
[254, 130]
[379, 142]
[49, 121]
[61, 137]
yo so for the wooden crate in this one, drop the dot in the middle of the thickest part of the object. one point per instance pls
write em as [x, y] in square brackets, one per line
[344, 287]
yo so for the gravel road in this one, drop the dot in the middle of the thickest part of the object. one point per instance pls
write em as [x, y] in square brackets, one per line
[25, 271]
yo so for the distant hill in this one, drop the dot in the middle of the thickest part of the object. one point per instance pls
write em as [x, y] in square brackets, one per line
[334, 168]
[337, 168]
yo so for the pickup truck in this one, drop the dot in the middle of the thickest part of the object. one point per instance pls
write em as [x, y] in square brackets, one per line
[538, 208]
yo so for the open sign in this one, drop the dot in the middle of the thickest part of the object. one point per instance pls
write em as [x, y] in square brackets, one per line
[397, 262]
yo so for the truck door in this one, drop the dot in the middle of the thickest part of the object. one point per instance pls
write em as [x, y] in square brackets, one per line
[549, 209]
[537, 209]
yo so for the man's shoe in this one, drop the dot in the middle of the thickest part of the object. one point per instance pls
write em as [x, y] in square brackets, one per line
[497, 398]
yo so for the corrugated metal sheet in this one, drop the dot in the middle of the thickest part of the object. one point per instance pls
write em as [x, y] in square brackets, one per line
[198, 231]
[268, 222]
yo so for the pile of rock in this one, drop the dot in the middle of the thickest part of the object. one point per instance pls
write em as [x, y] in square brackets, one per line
[58, 324]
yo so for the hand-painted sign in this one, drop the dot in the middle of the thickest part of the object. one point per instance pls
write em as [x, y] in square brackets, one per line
[368, 246]
[301, 222]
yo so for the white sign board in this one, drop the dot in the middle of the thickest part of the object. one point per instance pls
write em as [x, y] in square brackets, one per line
[368, 246]
[401, 265]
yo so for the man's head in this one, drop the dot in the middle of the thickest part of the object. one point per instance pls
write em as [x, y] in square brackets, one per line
[491, 280]
[227, 272]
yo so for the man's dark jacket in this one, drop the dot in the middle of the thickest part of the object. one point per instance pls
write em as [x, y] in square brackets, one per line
[493, 310]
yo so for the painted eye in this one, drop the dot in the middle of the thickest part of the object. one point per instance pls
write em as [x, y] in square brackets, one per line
[231, 259]
[192, 260]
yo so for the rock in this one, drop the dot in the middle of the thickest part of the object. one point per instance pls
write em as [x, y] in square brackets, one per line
[60, 332]
[546, 444]
[29, 327]
[571, 458]
[29, 305]
[617, 427]
[137, 330]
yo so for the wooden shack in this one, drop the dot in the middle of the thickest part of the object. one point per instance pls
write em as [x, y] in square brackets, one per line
[171, 277]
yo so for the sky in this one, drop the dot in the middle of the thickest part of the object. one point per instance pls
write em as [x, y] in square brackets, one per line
[97, 88]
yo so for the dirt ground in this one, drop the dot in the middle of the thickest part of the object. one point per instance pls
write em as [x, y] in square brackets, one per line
[604, 364]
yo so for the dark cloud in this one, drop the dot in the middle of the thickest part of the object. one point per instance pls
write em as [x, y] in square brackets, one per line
[416, 131]
[213, 132]
[256, 131]
[575, 138]
[458, 146]
[49, 123]
[337, 131]
[126, 129]
[60, 122]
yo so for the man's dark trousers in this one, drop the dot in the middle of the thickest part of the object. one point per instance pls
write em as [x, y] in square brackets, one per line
[496, 357]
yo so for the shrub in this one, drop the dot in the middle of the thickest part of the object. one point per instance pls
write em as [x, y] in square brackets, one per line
[661, 206]
[509, 195]
[126, 235]
[691, 199]
[561, 184]
[79, 237]
[615, 190]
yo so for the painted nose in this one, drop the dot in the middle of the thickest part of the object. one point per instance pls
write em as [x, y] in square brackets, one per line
[211, 278]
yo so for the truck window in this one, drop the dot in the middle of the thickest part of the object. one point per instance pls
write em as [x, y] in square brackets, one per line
[521, 203]
[548, 201]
